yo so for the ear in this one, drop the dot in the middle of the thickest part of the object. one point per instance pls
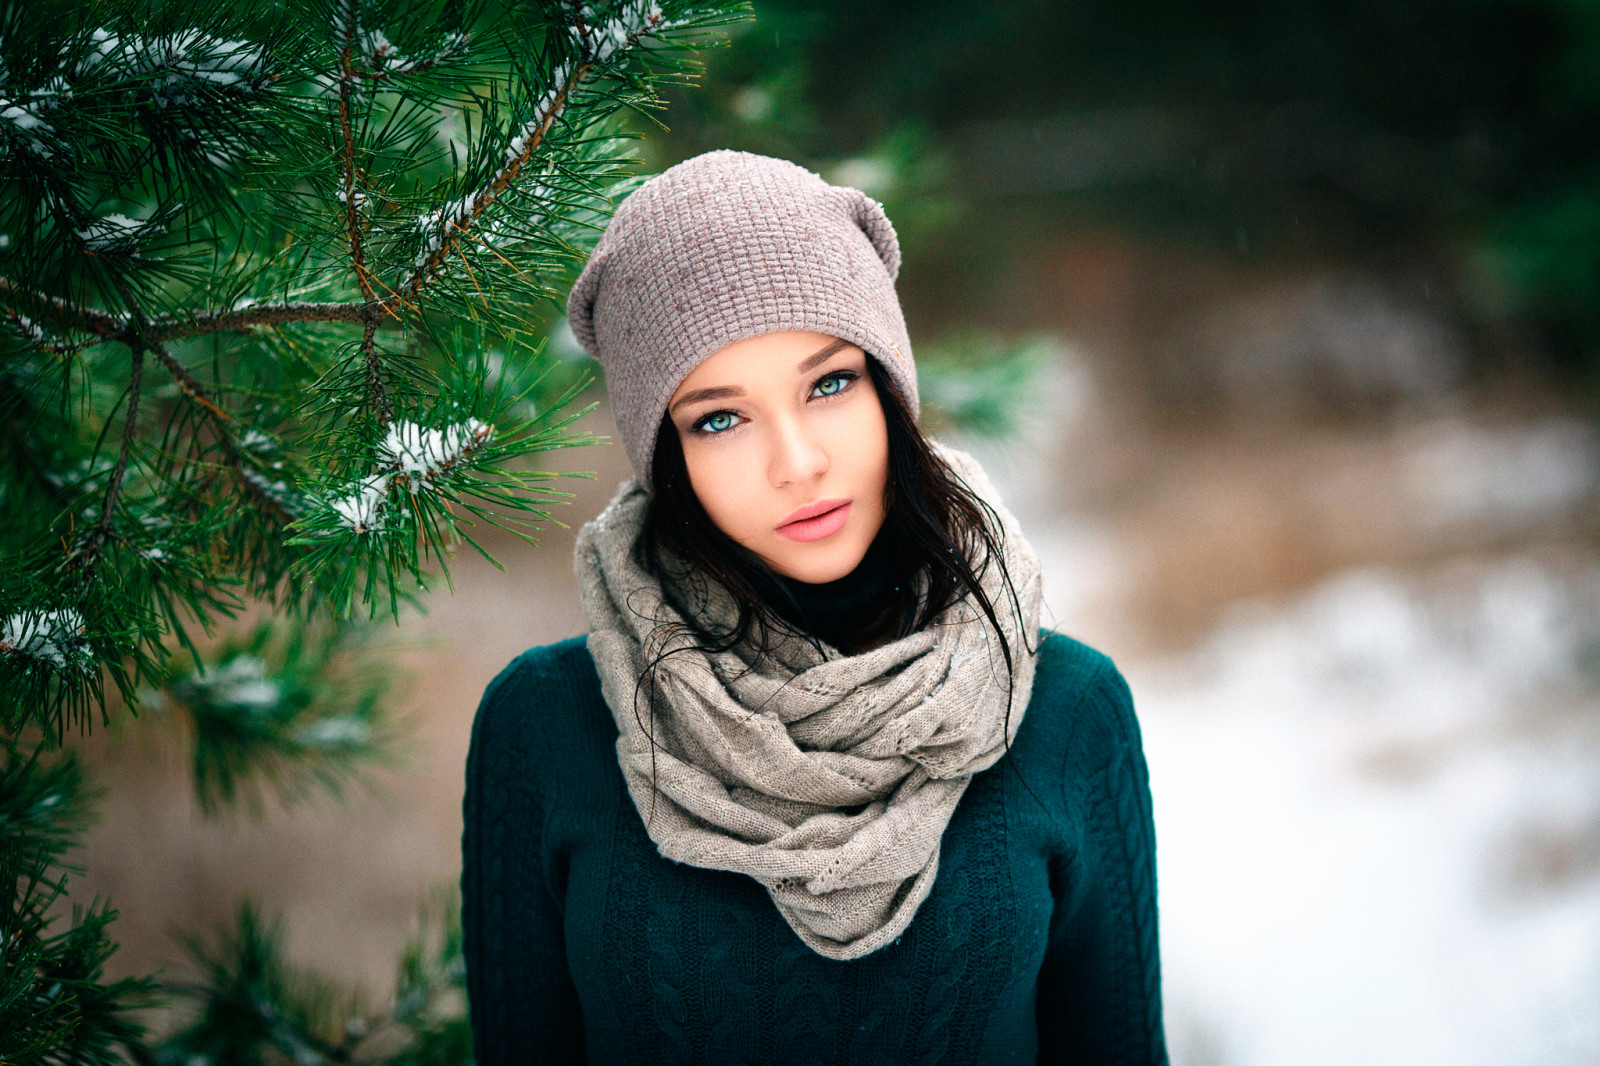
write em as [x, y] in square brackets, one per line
[868, 215]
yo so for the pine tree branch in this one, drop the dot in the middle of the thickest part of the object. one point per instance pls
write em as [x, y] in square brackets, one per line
[177, 325]
[130, 429]
[96, 540]
[376, 393]
[454, 47]
[169, 327]
[521, 150]
[222, 421]
[188, 384]
[597, 45]
[64, 311]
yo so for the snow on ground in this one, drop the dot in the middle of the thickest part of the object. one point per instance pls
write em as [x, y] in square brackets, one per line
[1375, 809]
[1377, 796]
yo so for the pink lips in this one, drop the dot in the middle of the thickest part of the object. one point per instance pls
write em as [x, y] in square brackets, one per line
[817, 520]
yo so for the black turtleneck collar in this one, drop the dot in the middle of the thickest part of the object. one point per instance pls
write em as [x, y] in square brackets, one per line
[837, 612]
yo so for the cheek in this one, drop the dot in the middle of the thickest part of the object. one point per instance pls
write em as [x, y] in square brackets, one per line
[720, 476]
[872, 452]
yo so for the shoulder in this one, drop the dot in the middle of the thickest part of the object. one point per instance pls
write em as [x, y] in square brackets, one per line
[563, 664]
[1081, 705]
[546, 700]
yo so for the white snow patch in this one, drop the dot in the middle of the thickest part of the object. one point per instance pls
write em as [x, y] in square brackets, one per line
[421, 452]
[338, 732]
[29, 328]
[273, 489]
[22, 116]
[114, 232]
[602, 40]
[1467, 476]
[180, 69]
[55, 637]
[378, 48]
[242, 683]
[1340, 784]
[360, 509]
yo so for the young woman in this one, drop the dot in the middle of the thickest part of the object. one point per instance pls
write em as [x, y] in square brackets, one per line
[815, 788]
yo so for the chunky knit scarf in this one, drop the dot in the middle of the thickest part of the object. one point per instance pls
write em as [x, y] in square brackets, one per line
[829, 778]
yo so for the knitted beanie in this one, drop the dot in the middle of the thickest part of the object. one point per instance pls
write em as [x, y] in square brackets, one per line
[723, 247]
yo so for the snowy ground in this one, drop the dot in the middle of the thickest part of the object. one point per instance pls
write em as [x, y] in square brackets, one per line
[1377, 795]
[1377, 807]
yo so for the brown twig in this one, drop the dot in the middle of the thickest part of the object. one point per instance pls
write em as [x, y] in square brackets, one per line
[479, 202]
[194, 323]
[189, 384]
[198, 395]
[371, 361]
[175, 326]
[59, 310]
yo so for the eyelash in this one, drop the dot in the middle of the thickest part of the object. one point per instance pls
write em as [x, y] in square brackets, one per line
[845, 376]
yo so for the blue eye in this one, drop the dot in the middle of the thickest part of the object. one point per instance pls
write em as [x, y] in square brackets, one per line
[716, 422]
[834, 383]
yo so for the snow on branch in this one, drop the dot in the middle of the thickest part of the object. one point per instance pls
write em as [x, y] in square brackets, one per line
[413, 455]
[181, 69]
[27, 327]
[421, 453]
[59, 310]
[360, 509]
[598, 42]
[116, 234]
[25, 116]
[243, 683]
[273, 490]
[370, 53]
[171, 326]
[22, 115]
[54, 637]
[601, 40]
[385, 61]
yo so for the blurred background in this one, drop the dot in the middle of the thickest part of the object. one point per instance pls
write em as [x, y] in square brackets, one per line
[1279, 326]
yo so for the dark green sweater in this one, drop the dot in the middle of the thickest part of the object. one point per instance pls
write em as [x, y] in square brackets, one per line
[1037, 943]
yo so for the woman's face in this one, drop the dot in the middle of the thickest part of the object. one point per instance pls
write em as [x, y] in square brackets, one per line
[786, 448]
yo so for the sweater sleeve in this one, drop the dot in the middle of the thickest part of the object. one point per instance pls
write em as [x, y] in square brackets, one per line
[1099, 998]
[519, 990]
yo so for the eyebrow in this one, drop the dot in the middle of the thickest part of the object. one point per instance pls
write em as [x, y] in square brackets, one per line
[721, 392]
[717, 393]
[820, 357]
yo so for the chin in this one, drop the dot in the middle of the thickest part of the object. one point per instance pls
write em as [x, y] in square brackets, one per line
[816, 564]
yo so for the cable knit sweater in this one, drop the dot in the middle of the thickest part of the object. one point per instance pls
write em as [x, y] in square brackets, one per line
[1036, 945]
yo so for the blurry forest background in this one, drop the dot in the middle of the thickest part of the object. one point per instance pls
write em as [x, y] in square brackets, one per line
[1279, 325]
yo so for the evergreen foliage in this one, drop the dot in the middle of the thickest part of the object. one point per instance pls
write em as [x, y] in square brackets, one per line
[272, 278]
[254, 1008]
[55, 1005]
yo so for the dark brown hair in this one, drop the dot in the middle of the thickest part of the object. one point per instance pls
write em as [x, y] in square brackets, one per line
[932, 521]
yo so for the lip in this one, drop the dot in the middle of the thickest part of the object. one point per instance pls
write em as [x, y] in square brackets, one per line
[817, 520]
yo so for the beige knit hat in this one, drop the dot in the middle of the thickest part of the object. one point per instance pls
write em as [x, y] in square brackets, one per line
[726, 246]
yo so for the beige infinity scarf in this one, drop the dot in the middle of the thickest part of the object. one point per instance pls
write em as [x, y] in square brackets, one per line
[828, 778]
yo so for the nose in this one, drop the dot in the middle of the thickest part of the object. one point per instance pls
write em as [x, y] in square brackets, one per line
[797, 456]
